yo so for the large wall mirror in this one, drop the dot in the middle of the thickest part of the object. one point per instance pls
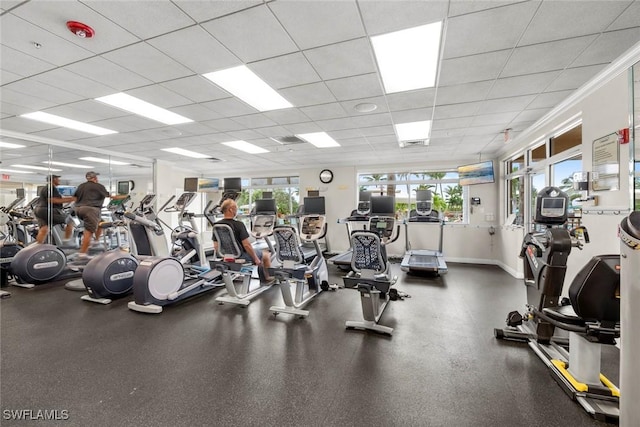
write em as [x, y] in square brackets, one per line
[636, 134]
[26, 162]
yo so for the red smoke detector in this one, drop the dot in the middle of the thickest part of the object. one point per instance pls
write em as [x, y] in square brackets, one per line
[80, 29]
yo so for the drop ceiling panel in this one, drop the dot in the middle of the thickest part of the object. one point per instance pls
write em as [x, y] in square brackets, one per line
[379, 102]
[204, 10]
[54, 49]
[342, 59]
[70, 82]
[312, 24]
[21, 63]
[504, 105]
[543, 57]
[550, 99]
[252, 35]
[285, 71]
[254, 121]
[53, 15]
[363, 86]
[468, 69]
[468, 92]
[306, 95]
[160, 96]
[410, 99]
[202, 54]
[324, 111]
[522, 85]
[144, 59]
[140, 19]
[109, 73]
[487, 30]
[608, 46]
[573, 78]
[287, 116]
[386, 16]
[556, 20]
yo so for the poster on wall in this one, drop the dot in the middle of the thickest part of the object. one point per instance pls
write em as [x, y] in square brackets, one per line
[606, 163]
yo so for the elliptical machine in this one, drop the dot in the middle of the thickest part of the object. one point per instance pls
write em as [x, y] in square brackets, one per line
[592, 315]
[109, 275]
[160, 281]
[310, 279]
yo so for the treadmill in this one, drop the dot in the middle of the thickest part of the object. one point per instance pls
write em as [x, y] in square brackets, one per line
[424, 260]
[359, 215]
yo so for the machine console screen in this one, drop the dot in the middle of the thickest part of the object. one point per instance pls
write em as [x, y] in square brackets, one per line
[553, 207]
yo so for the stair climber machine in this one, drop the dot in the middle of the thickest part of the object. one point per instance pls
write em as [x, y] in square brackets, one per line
[163, 280]
[370, 271]
[109, 276]
[309, 279]
[630, 293]
[591, 316]
[424, 260]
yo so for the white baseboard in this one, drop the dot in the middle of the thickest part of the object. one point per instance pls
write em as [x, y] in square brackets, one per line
[511, 271]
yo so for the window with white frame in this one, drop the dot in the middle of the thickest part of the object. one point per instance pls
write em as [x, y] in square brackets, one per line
[448, 196]
[552, 162]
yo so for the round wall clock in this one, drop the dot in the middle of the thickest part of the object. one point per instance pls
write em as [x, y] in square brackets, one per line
[326, 176]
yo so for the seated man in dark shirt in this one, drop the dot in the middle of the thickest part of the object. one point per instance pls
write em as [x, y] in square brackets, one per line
[49, 210]
[229, 209]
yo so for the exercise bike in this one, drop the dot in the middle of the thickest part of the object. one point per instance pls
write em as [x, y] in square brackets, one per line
[370, 273]
[591, 315]
[309, 280]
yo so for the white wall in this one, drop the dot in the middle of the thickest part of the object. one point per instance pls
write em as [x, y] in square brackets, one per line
[603, 112]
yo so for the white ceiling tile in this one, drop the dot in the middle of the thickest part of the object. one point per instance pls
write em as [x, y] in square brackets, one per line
[144, 59]
[160, 96]
[287, 116]
[556, 20]
[494, 119]
[254, 121]
[196, 88]
[22, 64]
[408, 116]
[285, 71]
[230, 107]
[54, 49]
[324, 111]
[252, 35]
[478, 33]
[411, 99]
[7, 77]
[54, 14]
[197, 112]
[140, 19]
[608, 46]
[108, 73]
[629, 18]
[504, 105]
[573, 78]
[522, 85]
[545, 56]
[87, 111]
[71, 82]
[463, 93]
[456, 110]
[363, 86]
[370, 120]
[468, 69]
[14, 97]
[550, 99]
[342, 59]
[530, 115]
[462, 7]
[450, 124]
[204, 10]
[223, 125]
[386, 16]
[202, 54]
[305, 95]
[313, 24]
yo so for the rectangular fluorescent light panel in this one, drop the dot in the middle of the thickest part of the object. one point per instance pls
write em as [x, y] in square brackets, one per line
[40, 168]
[98, 160]
[244, 84]
[70, 165]
[10, 145]
[408, 59]
[67, 123]
[245, 146]
[14, 171]
[143, 108]
[319, 139]
[187, 153]
[414, 130]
